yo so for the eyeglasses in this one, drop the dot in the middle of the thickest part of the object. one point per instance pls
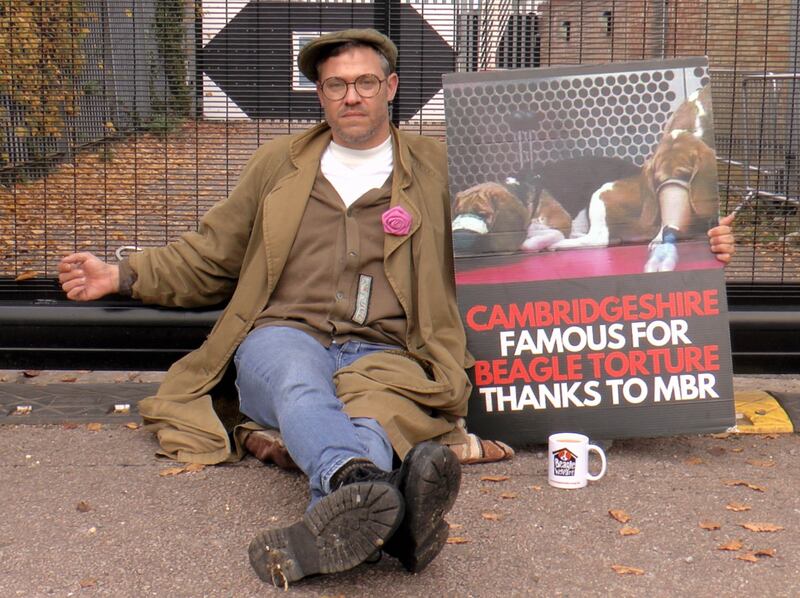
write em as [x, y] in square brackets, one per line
[367, 86]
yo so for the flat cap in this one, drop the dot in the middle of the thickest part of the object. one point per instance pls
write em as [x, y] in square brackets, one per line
[317, 48]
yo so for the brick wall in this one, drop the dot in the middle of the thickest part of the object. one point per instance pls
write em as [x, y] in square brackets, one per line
[733, 33]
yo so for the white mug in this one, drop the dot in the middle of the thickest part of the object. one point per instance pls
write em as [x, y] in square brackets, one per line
[568, 460]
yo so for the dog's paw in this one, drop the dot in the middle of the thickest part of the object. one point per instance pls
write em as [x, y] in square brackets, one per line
[541, 239]
[663, 258]
[586, 241]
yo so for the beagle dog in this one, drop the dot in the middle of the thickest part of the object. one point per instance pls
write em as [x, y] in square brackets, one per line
[680, 178]
[532, 210]
[595, 201]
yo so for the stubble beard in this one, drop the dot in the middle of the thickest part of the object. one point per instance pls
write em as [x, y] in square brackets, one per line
[355, 136]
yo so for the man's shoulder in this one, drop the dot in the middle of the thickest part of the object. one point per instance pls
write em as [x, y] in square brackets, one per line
[277, 147]
[280, 147]
[427, 152]
[423, 143]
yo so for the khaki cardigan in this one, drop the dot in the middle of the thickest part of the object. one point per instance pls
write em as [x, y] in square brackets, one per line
[238, 253]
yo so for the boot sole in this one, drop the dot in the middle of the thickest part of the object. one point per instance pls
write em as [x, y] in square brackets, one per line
[430, 487]
[339, 532]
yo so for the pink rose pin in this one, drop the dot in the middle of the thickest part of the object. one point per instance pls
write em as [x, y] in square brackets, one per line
[396, 221]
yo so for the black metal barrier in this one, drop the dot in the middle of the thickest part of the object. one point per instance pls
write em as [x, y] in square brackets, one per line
[41, 329]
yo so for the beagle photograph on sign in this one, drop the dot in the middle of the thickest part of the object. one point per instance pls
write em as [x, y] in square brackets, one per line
[583, 158]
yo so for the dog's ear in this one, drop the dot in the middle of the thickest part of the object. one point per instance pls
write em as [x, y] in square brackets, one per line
[647, 189]
[480, 200]
[705, 161]
[703, 189]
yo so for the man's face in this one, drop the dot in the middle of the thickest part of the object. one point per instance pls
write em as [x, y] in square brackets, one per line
[356, 122]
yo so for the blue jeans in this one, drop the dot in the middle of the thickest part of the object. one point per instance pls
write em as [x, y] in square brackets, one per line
[285, 381]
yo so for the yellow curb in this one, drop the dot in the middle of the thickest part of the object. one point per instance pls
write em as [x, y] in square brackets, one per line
[758, 412]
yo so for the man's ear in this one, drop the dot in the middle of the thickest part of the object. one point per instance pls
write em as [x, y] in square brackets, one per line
[391, 86]
[320, 97]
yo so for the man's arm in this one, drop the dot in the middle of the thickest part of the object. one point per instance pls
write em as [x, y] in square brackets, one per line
[199, 268]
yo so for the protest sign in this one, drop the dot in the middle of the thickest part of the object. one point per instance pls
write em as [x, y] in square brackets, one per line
[591, 300]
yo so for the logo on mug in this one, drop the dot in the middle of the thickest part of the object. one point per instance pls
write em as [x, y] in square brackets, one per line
[564, 462]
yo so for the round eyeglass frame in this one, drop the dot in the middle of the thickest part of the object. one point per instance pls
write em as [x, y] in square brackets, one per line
[347, 84]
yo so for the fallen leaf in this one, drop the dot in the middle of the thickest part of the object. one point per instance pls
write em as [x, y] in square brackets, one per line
[766, 463]
[743, 483]
[69, 379]
[69, 426]
[490, 516]
[737, 507]
[770, 552]
[770, 436]
[762, 527]
[736, 449]
[536, 488]
[619, 515]
[508, 495]
[189, 468]
[132, 426]
[628, 531]
[748, 556]
[27, 275]
[716, 451]
[88, 582]
[170, 471]
[83, 506]
[694, 461]
[94, 427]
[455, 525]
[709, 525]
[457, 540]
[625, 570]
[721, 435]
[494, 478]
[485, 491]
[732, 545]
[31, 373]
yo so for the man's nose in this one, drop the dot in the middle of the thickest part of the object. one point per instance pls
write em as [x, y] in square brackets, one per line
[352, 96]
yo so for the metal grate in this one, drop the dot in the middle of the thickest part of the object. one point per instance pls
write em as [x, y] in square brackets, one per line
[526, 123]
[171, 97]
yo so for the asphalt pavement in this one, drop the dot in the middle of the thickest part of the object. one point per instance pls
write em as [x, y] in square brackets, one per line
[89, 510]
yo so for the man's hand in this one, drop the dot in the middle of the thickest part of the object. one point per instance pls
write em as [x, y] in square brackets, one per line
[721, 239]
[84, 277]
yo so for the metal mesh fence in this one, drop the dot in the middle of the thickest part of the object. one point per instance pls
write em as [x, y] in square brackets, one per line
[123, 121]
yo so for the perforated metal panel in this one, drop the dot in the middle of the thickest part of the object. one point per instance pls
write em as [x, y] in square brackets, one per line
[502, 122]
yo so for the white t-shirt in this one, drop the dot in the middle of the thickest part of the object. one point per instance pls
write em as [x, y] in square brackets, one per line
[353, 172]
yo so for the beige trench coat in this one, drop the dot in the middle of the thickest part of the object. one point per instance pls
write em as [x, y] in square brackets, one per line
[238, 253]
